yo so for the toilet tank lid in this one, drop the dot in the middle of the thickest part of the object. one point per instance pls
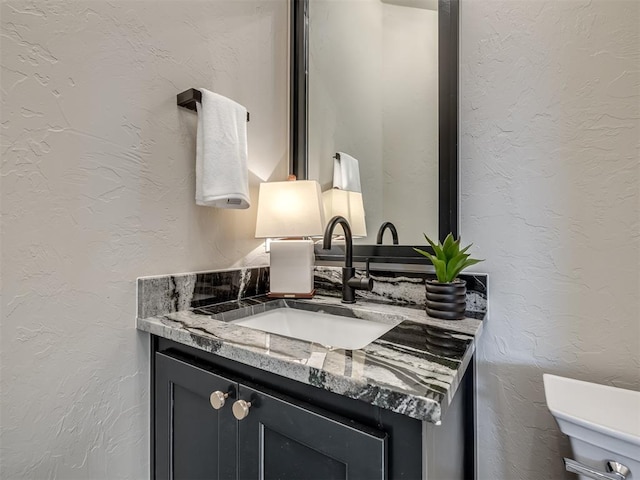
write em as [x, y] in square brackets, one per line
[611, 410]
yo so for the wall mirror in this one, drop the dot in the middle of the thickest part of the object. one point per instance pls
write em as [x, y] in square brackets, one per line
[378, 80]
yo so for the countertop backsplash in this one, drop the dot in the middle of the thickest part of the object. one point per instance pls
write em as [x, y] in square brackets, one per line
[160, 295]
[402, 288]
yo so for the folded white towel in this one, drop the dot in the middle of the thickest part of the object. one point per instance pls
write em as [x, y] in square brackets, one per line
[222, 178]
[346, 173]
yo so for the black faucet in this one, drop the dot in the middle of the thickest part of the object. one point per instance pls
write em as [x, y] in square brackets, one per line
[394, 233]
[349, 281]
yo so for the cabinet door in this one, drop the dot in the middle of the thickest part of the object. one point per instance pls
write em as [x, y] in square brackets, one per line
[192, 439]
[282, 440]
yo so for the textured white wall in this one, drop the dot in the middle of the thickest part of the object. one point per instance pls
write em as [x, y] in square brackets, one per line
[550, 115]
[97, 189]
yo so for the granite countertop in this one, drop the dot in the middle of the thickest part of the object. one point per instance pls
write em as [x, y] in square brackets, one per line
[414, 369]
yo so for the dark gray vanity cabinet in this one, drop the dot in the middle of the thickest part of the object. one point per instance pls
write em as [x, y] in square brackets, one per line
[192, 440]
[280, 438]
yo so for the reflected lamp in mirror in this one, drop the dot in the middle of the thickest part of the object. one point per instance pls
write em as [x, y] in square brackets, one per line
[289, 211]
[348, 205]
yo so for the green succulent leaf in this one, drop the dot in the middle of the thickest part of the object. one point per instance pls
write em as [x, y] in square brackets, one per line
[449, 260]
[467, 263]
[455, 248]
[422, 252]
[437, 249]
[433, 245]
[454, 266]
[426, 254]
[439, 265]
[441, 270]
[449, 247]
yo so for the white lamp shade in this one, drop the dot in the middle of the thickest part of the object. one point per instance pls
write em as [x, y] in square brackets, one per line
[348, 205]
[290, 209]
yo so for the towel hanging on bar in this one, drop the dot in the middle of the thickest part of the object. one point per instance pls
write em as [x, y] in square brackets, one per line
[188, 99]
[222, 178]
[346, 173]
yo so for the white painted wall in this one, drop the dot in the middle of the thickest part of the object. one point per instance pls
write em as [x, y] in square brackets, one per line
[550, 160]
[98, 188]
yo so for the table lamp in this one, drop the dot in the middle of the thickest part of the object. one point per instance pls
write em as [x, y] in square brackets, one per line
[287, 212]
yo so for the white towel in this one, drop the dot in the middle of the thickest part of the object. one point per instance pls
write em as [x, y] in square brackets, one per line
[222, 178]
[346, 173]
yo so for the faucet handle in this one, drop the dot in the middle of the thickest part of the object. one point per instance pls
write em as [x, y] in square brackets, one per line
[362, 283]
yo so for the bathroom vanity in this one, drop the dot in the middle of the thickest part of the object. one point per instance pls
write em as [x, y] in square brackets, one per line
[278, 434]
[235, 402]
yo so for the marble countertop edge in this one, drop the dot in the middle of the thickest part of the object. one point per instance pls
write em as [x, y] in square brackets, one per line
[295, 371]
[290, 366]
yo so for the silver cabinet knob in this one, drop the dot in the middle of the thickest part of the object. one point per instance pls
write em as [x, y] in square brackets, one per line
[241, 409]
[217, 399]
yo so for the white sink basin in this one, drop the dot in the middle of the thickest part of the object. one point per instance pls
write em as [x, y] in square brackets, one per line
[329, 330]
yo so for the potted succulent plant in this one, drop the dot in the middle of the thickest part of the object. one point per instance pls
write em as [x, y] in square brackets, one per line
[446, 296]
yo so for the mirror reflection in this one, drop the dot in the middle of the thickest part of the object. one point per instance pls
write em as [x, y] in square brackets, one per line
[373, 112]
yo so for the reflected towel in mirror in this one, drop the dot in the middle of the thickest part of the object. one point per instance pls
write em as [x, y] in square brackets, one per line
[346, 173]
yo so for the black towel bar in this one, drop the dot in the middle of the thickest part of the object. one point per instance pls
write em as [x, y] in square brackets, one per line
[188, 99]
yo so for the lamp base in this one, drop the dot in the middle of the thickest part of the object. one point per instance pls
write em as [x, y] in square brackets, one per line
[291, 267]
[291, 295]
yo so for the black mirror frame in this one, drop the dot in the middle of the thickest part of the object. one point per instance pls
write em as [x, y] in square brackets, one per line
[448, 11]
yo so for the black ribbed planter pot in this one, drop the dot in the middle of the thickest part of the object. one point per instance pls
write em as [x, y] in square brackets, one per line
[446, 300]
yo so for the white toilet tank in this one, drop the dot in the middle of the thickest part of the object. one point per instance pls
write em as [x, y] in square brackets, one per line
[602, 422]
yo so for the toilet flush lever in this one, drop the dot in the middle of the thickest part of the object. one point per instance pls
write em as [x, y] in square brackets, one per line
[618, 469]
[615, 470]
